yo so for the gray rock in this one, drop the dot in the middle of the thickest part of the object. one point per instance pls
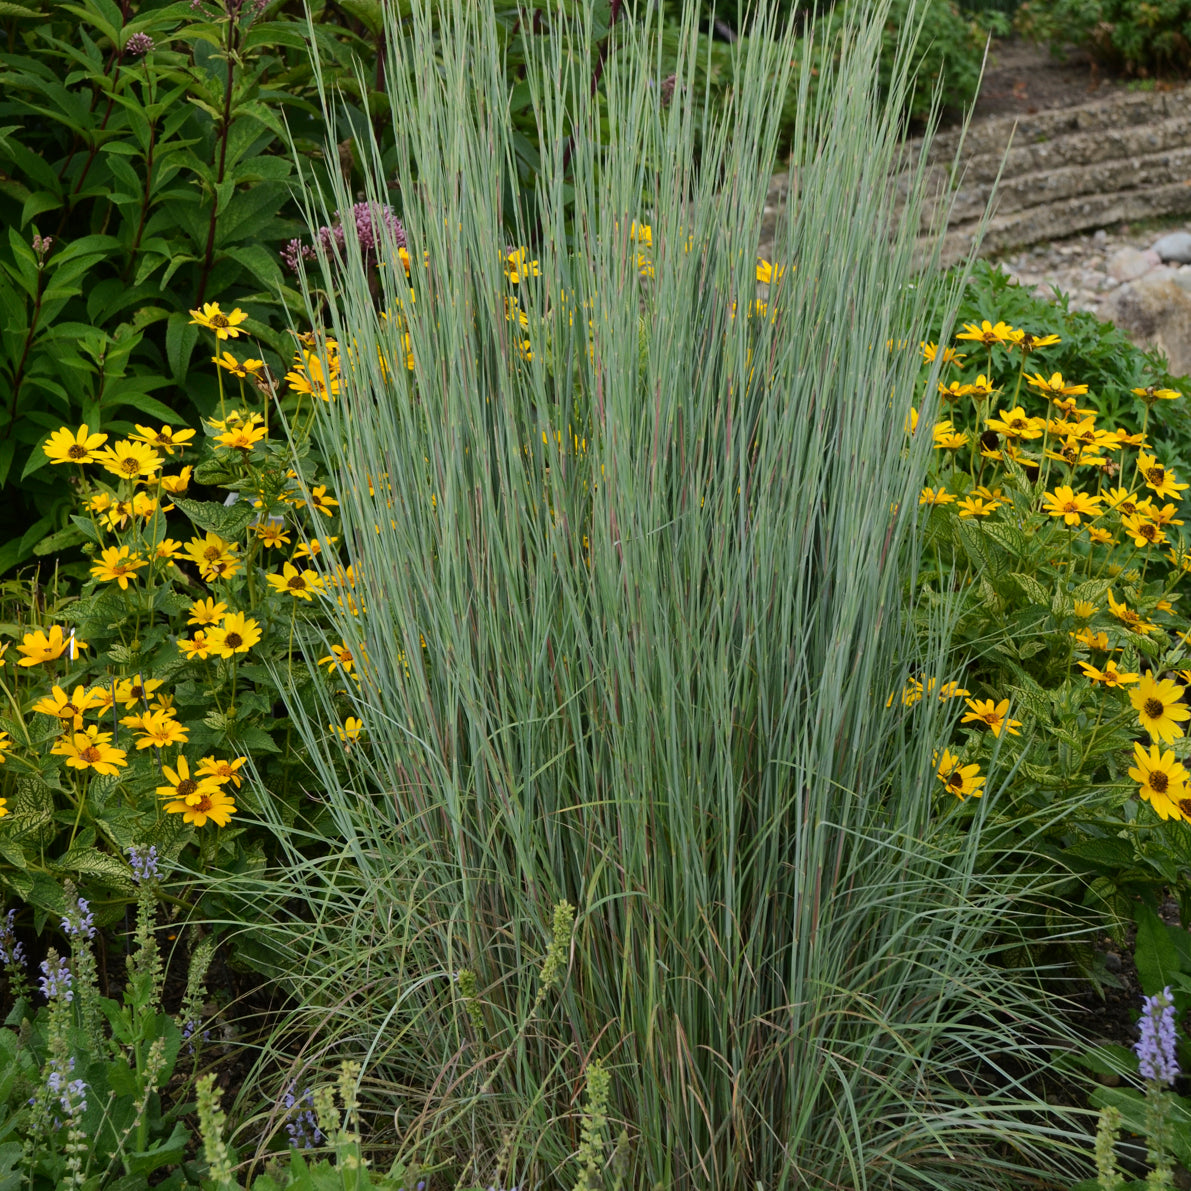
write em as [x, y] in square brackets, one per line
[1128, 264]
[1174, 246]
[1154, 314]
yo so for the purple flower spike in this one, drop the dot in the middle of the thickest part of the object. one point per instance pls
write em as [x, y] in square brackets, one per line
[1155, 1049]
[55, 982]
[138, 45]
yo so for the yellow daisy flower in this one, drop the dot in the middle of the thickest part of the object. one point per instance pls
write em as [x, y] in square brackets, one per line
[91, 750]
[129, 460]
[117, 563]
[66, 447]
[213, 804]
[995, 716]
[237, 634]
[961, 780]
[299, 584]
[1158, 708]
[206, 611]
[1162, 782]
[161, 730]
[225, 326]
[41, 647]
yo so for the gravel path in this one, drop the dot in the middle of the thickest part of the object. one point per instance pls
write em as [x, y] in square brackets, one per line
[1089, 267]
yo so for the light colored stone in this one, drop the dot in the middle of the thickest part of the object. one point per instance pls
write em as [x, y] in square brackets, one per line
[1174, 246]
[1154, 314]
[1127, 264]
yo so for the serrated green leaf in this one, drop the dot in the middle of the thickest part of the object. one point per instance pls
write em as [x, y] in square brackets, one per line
[92, 862]
[229, 522]
[1034, 591]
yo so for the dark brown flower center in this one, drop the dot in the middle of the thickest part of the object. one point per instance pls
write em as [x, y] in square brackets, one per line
[1155, 709]
[955, 781]
[186, 787]
[233, 640]
[297, 583]
[77, 451]
[1156, 475]
[204, 804]
[1185, 806]
[219, 320]
[1159, 781]
[91, 754]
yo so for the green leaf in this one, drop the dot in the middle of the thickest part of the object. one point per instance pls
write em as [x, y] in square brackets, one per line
[64, 539]
[229, 522]
[1156, 956]
[1034, 591]
[180, 340]
[94, 863]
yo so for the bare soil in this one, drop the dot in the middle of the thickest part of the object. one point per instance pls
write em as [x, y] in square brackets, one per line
[1022, 79]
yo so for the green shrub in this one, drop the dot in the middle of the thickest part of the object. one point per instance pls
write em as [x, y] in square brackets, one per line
[1134, 36]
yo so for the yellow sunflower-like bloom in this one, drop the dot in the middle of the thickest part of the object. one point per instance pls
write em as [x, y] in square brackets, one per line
[206, 611]
[1029, 343]
[131, 691]
[518, 267]
[166, 439]
[341, 656]
[68, 708]
[211, 554]
[930, 352]
[349, 731]
[310, 375]
[195, 647]
[988, 334]
[1056, 386]
[214, 804]
[1109, 676]
[1016, 424]
[91, 750]
[930, 496]
[221, 771]
[183, 786]
[1090, 640]
[300, 584]
[237, 634]
[1128, 617]
[1151, 393]
[960, 779]
[1158, 708]
[176, 485]
[118, 564]
[161, 730]
[1162, 782]
[240, 368]
[63, 446]
[242, 438]
[41, 647]
[1160, 480]
[1143, 531]
[225, 326]
[273, 534]
[975, 506]
[1070, 505]
[129, 460]
[995, 716]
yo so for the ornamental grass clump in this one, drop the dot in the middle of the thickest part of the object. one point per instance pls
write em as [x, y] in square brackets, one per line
[629, 574]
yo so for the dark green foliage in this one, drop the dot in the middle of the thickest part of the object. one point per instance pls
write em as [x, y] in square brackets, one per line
[148, 146]
[1140, 37]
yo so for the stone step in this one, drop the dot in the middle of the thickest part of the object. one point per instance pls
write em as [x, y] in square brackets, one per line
[1065, 171]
